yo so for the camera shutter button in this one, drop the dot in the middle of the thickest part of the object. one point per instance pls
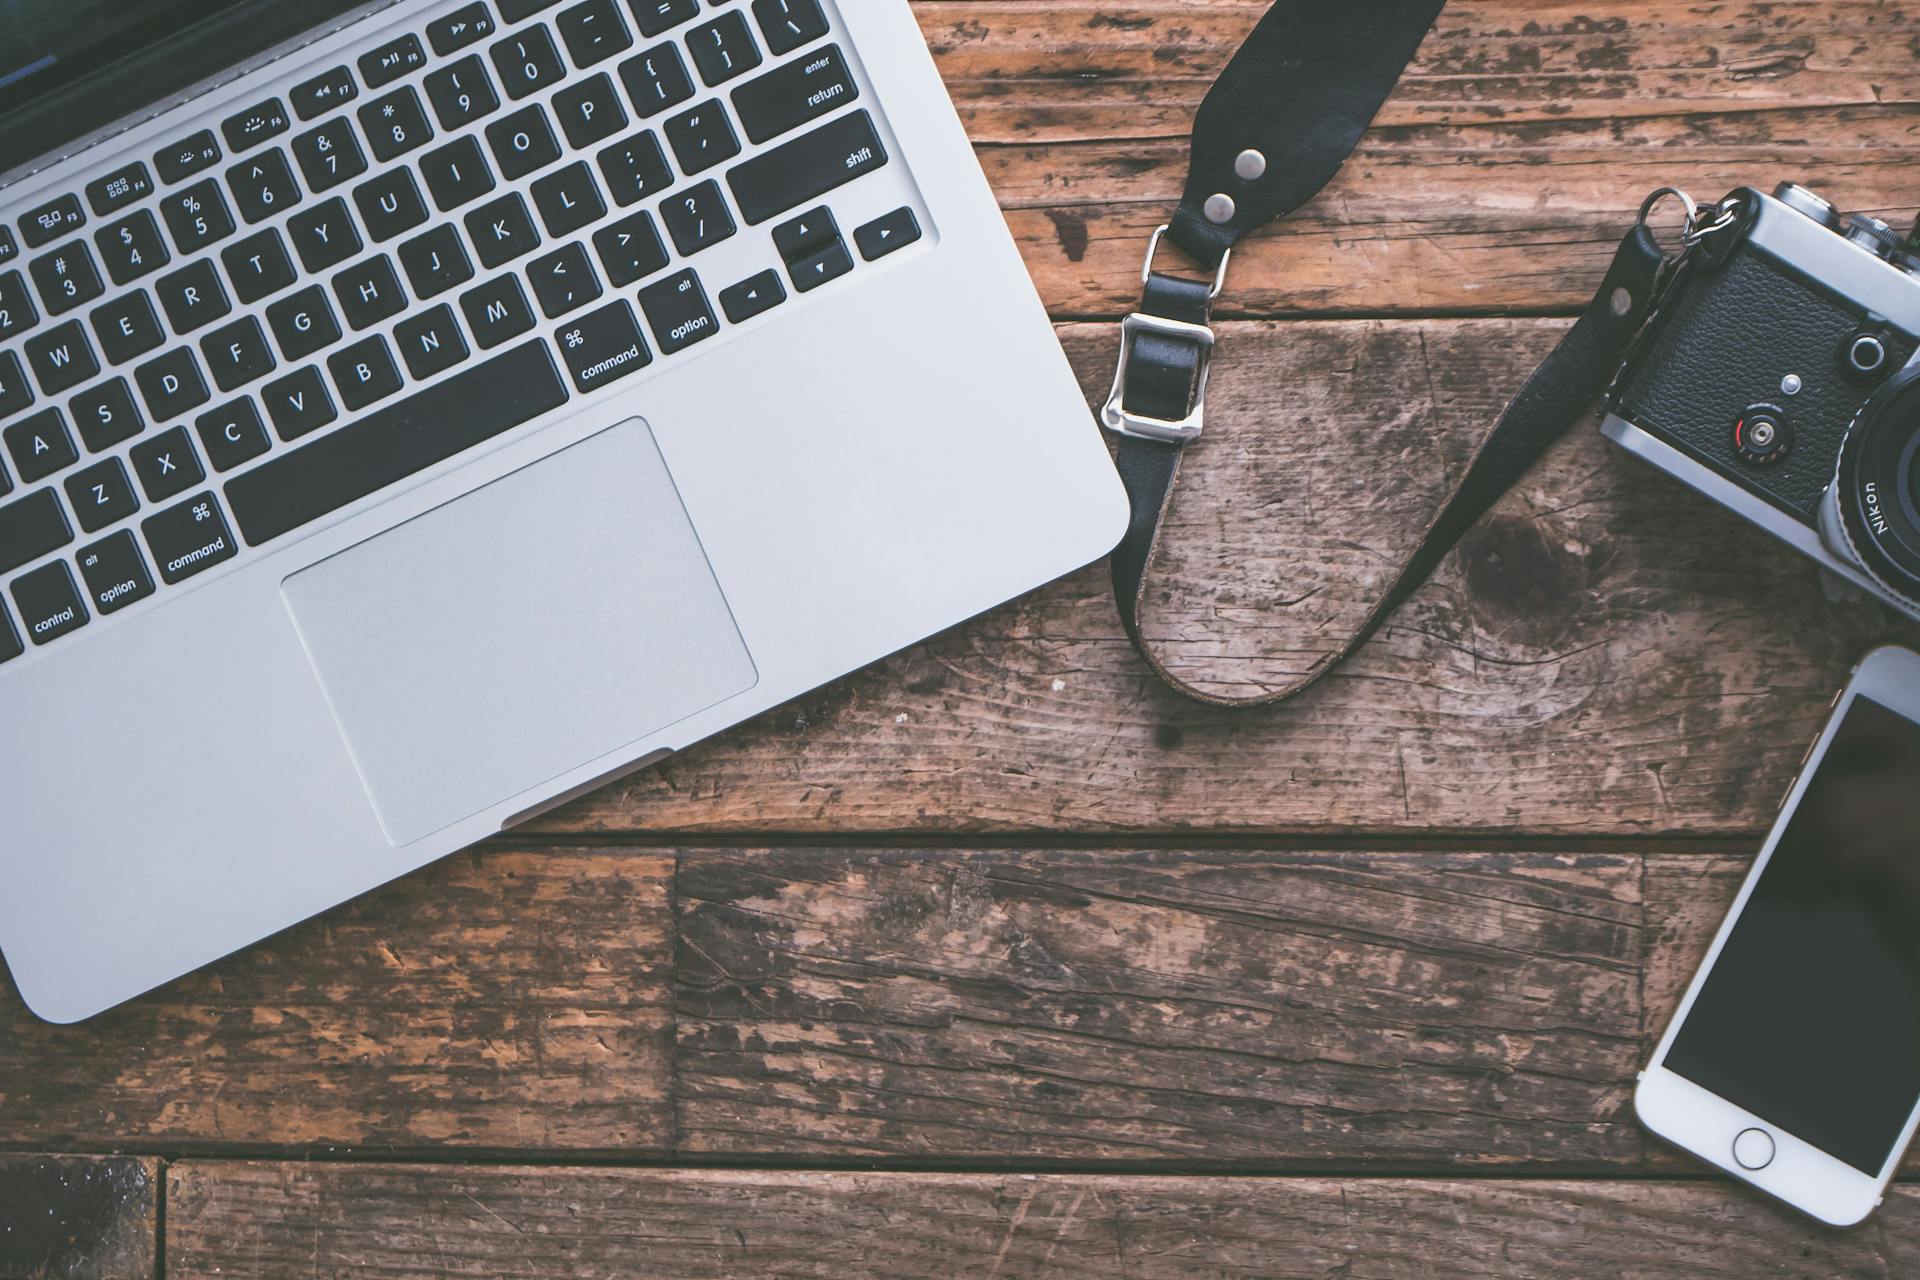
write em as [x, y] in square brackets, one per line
[1762, 435]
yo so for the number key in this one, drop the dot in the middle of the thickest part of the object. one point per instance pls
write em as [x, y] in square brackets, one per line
[66, 277]
[395, 124]
[132, 246]
[329, 155]
[461, 93]
[197, 216]
[264, 185]
[16, 306]
[527, 62]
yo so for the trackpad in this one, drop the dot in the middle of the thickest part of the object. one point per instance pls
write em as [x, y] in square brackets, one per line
[519, 632]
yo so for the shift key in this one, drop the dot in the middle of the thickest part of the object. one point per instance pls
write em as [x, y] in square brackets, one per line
[808, 167]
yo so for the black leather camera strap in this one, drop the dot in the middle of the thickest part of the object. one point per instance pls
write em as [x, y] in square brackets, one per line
[1276, 127]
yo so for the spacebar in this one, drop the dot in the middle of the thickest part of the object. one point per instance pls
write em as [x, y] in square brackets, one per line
[393, 443]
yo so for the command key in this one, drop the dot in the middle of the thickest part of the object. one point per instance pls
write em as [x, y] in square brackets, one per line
[189, 538]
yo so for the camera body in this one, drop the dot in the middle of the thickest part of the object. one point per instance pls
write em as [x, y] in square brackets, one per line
[1778, 378]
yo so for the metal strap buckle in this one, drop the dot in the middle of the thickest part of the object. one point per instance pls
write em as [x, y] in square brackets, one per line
[1115, 416]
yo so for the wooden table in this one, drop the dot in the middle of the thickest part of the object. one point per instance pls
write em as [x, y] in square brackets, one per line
[997, 960]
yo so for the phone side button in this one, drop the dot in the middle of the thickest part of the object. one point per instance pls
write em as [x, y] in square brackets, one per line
[1753, 1149]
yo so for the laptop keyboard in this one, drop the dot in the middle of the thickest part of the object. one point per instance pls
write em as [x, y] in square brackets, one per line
[449, 233]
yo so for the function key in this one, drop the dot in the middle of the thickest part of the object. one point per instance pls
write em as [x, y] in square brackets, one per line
[514, 10]
[678, 311]
[788, 24]
[52, 219]
[8, 249]
[887, 233]
[49, 602]
[324, 92]
[187, 157]
[655, 16]
[120, 188]
[392, 60]
[459, 29]
[255, 125]
[115, 572]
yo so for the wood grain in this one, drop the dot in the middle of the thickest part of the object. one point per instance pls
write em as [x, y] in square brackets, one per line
[1607, 654]
[78, 1218]
[1511, 158]
[385, 1223]
[495, 1000]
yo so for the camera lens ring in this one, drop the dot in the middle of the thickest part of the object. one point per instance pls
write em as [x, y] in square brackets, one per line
[1876, 486]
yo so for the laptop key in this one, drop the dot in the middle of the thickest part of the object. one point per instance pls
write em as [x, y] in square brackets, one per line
[563, 280]
[324, 92]
[238, 353]
[30, 527]
[264, 185]
[807, 167]
[299, 402]
[460, 28]
[636, 168]
[167, 465]
[497, 311]
[101, 494]
[122, 187]
[723, 48]
[66, 277]
[630, 249]
[16, 305]
[40, 445]
[392, 60]
[197, 216]
[527, 61]
[590, 111]
[189, 538]
[456, 174]
[259, 265]
[435, 261]
[303, 322]
[430, 342]
[593, 32]
[324, 236]
[10, 645]
[514, 10]
[395, 124]
[794, 93]
[702, 137]
[502, 230]
[798, 237]
[181, 160]
[15, 393]
[603, 346]
[106, 414]
[127, 326]
[193, 296]
[389, 204]
[755, 294]
[329, 155]
[461, 93]
[678, 312]
[697, 218]
[62, 357]
[171, 384]
[523, 142]
[568, 199]
[369, 292]
[829, 262]
[49, 602]
[396, 441]
[656, 79]
[255, 125]
[655, 16]
[232, 434]
[788, 24]
[115, 572]
[132, 246]
[887, 234]
[364, 372]
[52, 220]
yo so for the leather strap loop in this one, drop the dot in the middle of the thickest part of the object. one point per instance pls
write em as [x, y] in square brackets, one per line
[1559, 392]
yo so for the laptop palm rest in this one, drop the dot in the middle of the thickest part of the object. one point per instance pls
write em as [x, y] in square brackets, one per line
[518, 632]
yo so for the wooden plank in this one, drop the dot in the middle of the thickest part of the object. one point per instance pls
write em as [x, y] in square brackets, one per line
[1510, 159]
[385, 1223]
[78, 1218]
[496, 1000]
[1608, 654]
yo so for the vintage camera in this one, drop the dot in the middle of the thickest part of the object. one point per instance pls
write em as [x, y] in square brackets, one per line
[1778, 378]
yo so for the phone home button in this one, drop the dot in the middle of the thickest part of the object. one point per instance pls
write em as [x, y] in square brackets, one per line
[1753, 1149]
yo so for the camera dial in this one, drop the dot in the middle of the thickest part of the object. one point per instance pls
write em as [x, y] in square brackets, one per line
[1762, 435]
[1805, 202]
[1873, 235]
[1876, 486]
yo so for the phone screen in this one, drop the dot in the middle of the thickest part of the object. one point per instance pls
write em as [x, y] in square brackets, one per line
[1810, 1018]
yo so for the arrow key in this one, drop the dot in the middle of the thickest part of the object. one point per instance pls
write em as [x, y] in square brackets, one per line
[884, 235]
[821, 266]
[751, 296]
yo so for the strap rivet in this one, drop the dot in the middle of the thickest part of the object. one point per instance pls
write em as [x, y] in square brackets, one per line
[1219, 208]
[1249, 165]
[1620, 303]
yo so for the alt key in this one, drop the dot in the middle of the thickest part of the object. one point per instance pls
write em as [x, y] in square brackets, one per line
[115, 572]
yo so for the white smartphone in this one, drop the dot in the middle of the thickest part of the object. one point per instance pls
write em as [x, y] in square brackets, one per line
[1793, 1061]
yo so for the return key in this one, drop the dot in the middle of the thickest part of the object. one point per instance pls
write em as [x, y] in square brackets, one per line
[794, 93]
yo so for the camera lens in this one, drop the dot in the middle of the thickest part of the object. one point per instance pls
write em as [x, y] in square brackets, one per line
[1876, 490]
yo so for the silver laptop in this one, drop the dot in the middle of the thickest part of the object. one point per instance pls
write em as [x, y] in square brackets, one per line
[414, 415]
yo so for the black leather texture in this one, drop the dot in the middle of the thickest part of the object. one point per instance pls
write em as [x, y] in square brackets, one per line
[1723, 343]
[1301, 91]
